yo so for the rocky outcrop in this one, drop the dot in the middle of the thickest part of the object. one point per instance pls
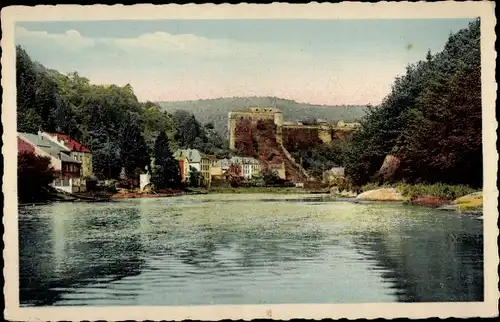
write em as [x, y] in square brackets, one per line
[389, 168]
[469, 203]
[297, 139]
[383, 194]
[257, 138]
[429, 201]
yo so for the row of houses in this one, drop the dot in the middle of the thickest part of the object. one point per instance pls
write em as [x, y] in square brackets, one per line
[72, 162]
[212, 168]
[193, 159]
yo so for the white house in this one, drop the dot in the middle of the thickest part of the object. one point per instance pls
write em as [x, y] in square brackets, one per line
[144, 180]
[251, 167]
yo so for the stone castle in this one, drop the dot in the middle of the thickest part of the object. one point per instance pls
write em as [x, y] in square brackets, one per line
[261, 132]
[254, 114]
[326, 132]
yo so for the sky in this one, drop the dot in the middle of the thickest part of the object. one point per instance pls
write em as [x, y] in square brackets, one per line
[330, 62]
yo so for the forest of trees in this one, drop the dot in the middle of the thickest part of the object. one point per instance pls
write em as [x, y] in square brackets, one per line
[119, 130]
[431, 121]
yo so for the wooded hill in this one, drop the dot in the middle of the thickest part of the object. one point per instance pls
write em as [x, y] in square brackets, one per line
[216, 110]
[118, 129]
[431, 121]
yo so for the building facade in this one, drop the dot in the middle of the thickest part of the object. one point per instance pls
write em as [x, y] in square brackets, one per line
[67, 169]
[78, 152]
[235, 171]
[278, 168]
[205, 170]
[216, 170]
[197, 160]
[251, 167]
[220, 168]
[184, 169]
[333, 174]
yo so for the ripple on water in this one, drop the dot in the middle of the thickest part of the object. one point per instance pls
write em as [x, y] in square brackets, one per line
[241, 249]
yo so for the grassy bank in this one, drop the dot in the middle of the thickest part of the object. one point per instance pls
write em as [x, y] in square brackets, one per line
[412, 192]
[280, 190]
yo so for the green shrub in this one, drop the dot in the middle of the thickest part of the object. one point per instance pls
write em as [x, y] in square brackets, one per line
[370, 186]
[412, 191]
[34, 176]
[437, 190]
[373, 186]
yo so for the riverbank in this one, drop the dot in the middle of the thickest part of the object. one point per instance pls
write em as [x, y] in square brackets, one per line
[447, 197]
[456, 198]
[126, 195]
[246, 190]
[62, 196]
[133, 194]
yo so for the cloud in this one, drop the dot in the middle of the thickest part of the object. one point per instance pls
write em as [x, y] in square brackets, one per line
[70, 37]
[155, 42]
[162, 41]
[165, 66]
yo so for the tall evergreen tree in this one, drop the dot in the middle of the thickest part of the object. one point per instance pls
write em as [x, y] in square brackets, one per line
[188, 130]
[134, 152]
[166, 172]
[431, 119]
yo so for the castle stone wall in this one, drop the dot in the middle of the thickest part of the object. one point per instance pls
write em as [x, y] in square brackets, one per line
[261, 132]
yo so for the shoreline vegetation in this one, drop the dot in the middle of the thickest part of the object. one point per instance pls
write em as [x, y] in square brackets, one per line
[458, 198]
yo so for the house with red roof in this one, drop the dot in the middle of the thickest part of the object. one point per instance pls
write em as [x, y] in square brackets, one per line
[67, 169]
[24, 147]
[77, 151]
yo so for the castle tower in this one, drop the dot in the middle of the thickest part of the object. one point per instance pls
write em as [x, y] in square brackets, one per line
[254, 113]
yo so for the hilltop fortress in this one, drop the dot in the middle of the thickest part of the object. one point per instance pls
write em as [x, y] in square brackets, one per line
[261, 132]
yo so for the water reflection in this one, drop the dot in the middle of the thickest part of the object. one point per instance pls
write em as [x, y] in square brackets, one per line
[437, 259]
[179, 252]
[72, 248]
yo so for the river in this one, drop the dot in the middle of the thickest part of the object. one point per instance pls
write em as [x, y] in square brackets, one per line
[246, 249]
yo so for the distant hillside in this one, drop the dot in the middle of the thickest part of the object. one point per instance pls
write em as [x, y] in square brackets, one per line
[216, 110]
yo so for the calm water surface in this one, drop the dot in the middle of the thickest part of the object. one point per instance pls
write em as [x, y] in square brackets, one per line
[246, 249]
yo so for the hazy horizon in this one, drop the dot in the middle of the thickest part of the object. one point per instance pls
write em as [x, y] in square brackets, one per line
[250, 97]
[321, 62]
